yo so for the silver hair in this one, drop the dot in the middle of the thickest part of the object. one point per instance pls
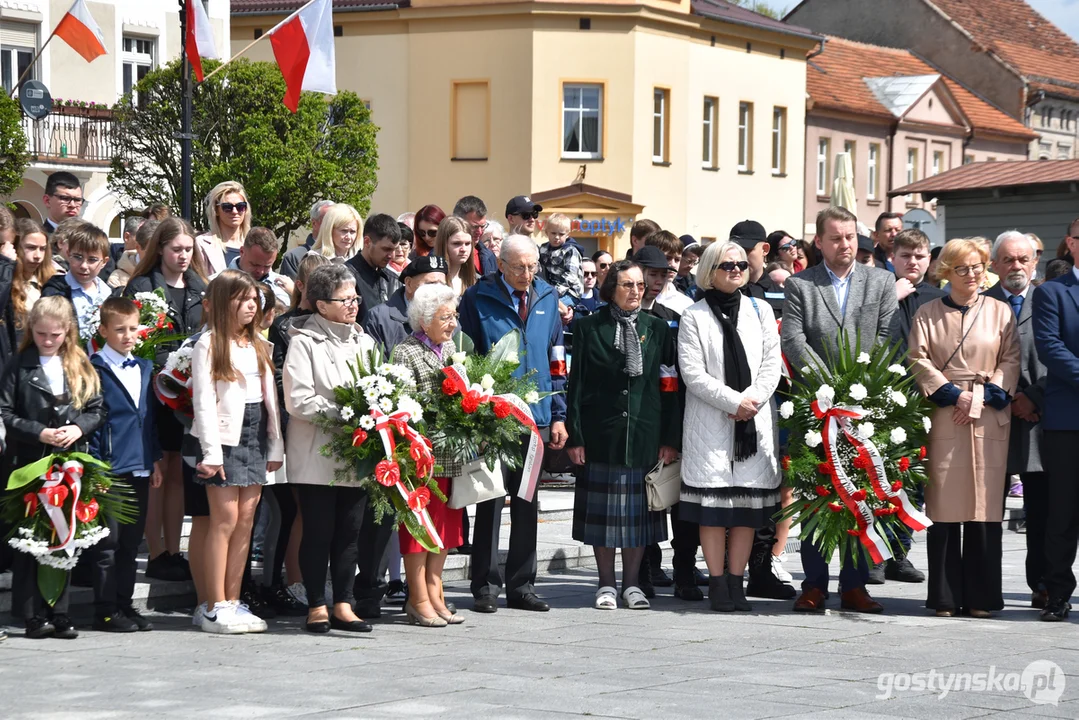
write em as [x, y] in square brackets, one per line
[405, 217]
[1011, 235]
[324, 281]
[317, 207]
[493, 225]
[427, 301]
[713, 255]
[132, 224]
[516, 245]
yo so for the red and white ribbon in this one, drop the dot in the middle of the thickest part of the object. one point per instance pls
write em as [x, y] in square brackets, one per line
[419, 450]
[65, 480]
[519, 409]
[911, 516]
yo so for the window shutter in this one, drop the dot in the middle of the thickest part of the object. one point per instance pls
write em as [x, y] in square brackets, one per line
[16, 34]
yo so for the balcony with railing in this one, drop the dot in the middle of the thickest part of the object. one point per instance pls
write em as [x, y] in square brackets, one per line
[72, 134]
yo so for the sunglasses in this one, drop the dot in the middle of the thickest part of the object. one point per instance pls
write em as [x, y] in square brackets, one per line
[528, 215]
[228, 207]
[731, 266]
[589, 273]
[604, 266]
[789, 247]
[427, 233]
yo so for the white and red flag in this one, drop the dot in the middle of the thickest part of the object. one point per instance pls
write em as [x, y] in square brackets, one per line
[303, 48]
[78, 29]
[199, 41]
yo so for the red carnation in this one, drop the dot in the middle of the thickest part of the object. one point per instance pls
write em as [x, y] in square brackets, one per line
[470, 403]
[904, 464]
[835, 507]
[897, 485]
[786, 462]
[823, 491]
[502, 409]
[825, 468]
[448, 387]
[858, 495]
[138, 304]
[922, 453]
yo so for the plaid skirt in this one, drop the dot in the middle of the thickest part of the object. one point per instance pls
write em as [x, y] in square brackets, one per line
[610, 508]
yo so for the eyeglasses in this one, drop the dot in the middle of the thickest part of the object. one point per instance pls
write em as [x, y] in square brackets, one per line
[69, 200]
[787, 247]
[346, 302]
[427, 233]
[588, 273]
[527, 215]
[523, 269]
[631, 286]
[479, 228]
[240, 207]
[690, 260]
[729, 266]
[446, 318]
[964, 270]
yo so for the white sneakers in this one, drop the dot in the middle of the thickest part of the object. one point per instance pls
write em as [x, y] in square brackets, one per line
[199, 615]
[230, 617]
[777, 568]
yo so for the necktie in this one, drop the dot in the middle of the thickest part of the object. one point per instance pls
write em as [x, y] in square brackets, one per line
[522, 304]
[130, 362]
[1017, 304]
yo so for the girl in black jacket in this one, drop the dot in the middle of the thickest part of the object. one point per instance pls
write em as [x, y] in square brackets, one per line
[50, 401]
[172, 264]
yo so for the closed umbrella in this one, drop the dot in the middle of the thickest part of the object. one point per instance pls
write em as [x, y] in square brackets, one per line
[843, 185]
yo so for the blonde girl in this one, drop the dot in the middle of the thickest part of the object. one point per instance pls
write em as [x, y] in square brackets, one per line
[340, 233]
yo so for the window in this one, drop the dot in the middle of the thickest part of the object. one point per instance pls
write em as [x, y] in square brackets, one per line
[138, 59]
[912, 169]
[710, 128]
[1047, 116]
[1045, 150]
[824, 149]
[874, 171]
[745, 137]
[1064, 152]
[850, 147]
[582, 129]
[779, 141]
[18, 43]
[938, 162]
[471, 120]
[661, 100]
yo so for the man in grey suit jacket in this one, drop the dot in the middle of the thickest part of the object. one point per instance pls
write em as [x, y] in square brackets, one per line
[1014, 260]
[835, 295]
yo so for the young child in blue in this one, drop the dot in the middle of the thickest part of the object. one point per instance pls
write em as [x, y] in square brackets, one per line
[128, 441]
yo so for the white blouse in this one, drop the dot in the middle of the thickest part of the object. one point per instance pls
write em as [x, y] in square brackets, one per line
[246, 361]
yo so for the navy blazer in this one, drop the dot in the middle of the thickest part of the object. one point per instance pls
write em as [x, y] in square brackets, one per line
[1056, 337]
[128, 440]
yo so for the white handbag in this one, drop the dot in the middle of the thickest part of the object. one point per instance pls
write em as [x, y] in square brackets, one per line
[477, 484]
[663, 485]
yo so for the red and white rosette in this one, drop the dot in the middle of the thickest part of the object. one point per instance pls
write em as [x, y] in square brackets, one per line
[475, 395]
[60, 482]
[838, 418]
[388, 471]
[165, 383]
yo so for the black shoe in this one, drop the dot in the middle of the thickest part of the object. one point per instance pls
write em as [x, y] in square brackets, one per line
[465, 549]
[719, 594]
[876, 575]
[485, 604]
[136, 617]
[317, 627]
[367, 609]
[660, 578]
[64, 628]
[282, 601]
[763, 584]
[700, 578]
[686, 591]
[259, 607]
[164, 568]
[396, 593]
[528, 602]
[902, 570]
[39, 628]
[1056, 610]
[183, 569]
[117, 623]
[737, 594]
[349, 625]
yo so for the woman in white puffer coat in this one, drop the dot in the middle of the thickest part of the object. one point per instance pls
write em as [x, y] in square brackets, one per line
[729, 357]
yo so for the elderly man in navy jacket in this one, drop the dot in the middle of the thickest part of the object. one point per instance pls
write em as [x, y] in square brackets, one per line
[515, 299]
[1056, 336]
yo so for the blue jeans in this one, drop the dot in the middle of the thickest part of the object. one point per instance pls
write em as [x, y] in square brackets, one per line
[815, 567]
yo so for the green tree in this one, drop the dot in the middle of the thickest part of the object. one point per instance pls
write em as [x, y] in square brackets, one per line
[243, 132]
[763, 8]
[14, 156]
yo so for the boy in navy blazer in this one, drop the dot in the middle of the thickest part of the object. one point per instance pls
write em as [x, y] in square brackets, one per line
[128, 441]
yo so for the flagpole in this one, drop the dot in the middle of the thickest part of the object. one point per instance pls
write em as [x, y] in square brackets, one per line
[30, 67]
[185, 135]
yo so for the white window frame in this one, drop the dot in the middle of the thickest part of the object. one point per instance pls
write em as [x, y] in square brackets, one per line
[938, 162]
[659, 125]
[135, 59]
[745, 136]
[581, 112]
[871, 167]
[824, 151]
[14, 51]
[912, 169]
[708, 129]
[779, 140]
[851, 148]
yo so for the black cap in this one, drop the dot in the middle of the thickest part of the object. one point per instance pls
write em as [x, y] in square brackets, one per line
[748, 233]
[865, 243]
[651, 256]
[688, 240]
[522, 204]
[425, 264]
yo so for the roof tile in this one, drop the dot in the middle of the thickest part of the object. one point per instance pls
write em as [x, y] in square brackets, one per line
[996, 174]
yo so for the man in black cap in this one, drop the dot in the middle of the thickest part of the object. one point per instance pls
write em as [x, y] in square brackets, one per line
[387, 324]
[521, 214]
[864, 255]
[684, 280]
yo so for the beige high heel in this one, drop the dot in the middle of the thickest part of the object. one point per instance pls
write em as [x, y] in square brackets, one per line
[414, 618]
[452, 618]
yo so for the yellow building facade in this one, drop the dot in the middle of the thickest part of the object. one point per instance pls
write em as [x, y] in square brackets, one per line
[604, 110]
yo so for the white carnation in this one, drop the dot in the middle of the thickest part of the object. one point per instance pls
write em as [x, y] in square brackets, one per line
[385, 405]
[487, 382]
[863, 358]
[786, 409]
[813, 439]
[898, 398]
[532, 397]
[347, 413]
[367, 422]
[413, 408]
[897, 369]
[867, 429]
[385, 387]
[458, 358]
[858, 392]
[927, 423]
[825, 394]
[898, 435]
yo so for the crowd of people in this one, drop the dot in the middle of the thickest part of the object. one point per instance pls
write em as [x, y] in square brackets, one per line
[676, 352]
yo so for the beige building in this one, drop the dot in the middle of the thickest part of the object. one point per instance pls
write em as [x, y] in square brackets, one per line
[690, 113]
[900, 120]
[139, 35]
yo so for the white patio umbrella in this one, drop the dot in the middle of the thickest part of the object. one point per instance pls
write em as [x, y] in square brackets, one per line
[843, 185]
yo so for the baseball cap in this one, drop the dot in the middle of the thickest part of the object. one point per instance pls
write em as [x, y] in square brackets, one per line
[424, 264]
[651, 256]
[748, 233]
[522, 204]
[688, 241]
[865, 243]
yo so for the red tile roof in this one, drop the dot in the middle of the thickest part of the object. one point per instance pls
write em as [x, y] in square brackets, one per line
[835, 80]
[285, 7]
[985, 175]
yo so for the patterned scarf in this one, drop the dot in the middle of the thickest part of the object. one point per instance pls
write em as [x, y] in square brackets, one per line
[626, 339]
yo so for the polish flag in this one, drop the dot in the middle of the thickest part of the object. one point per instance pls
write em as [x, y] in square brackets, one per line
[78, 29]
[200, 38]
[303, 48]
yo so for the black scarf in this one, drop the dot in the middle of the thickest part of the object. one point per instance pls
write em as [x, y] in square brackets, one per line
[735, 365]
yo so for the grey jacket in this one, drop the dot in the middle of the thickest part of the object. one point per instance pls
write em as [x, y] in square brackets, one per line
[812, 321]
[1024, 450]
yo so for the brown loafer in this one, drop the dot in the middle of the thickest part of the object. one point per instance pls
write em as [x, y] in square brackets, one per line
[945, 613]
[980, 614]
[859, 600]
[812, 600]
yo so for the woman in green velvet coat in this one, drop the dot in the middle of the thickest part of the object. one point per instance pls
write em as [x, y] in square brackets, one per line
[623, 417]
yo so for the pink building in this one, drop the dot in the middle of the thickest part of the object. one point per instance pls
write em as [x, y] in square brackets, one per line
[900, 119]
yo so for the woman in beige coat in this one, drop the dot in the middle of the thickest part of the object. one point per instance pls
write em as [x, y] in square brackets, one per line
[317, 361]
[964, 352]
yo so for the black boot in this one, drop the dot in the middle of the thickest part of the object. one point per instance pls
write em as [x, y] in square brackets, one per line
[719, 594]
[644, 580]
[762, 581]
[737, 593]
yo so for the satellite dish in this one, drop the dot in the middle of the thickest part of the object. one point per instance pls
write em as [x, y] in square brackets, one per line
[35, 99]
[923, 220]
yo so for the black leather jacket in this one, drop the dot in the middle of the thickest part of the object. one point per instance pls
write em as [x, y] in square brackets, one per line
[187, 319]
